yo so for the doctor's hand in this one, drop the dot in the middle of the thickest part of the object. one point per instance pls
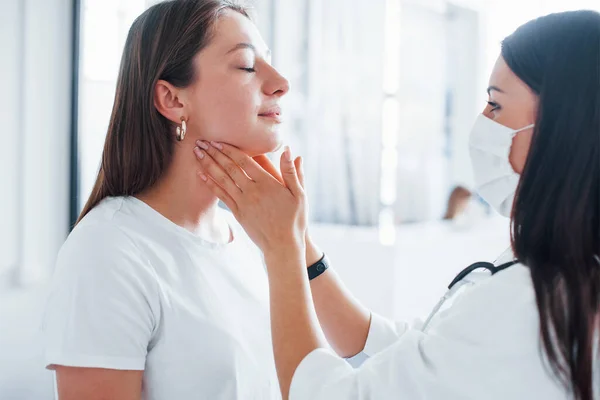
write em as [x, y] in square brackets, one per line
[272, 212]
[313, 252]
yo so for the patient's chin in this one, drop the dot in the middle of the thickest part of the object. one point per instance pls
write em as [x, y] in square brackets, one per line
[266, 146]
[258, 142]
[279, 146]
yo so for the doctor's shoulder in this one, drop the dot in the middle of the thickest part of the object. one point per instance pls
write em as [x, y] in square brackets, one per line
[502, 303]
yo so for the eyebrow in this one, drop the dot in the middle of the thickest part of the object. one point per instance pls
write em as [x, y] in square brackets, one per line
[250, 46]
[496, 88]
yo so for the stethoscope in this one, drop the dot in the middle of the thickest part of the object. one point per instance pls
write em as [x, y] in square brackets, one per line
[457, 282]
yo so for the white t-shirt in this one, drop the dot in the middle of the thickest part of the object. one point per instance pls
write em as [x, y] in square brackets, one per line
[134, 291]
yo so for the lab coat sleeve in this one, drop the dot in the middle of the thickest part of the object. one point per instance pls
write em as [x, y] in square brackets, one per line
[382, 334]
[418, 366]
[323, 375]
[456, 358]
[390, 374]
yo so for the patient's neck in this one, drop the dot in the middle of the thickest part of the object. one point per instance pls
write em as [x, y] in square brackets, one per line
[182, 197]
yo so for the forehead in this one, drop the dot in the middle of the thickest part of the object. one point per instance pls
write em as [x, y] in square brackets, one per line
[501, 74]
[233, 28]
[503, 77]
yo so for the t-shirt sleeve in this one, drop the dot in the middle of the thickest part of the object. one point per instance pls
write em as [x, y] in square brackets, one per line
[103, 307]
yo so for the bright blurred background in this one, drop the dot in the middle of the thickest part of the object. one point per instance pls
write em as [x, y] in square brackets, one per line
[384, 93]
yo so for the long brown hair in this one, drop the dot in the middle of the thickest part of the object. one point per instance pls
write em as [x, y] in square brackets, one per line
[556, 215]
[161, 45]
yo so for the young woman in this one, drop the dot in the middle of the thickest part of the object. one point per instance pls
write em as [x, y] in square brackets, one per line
[158, 293]
[529, 331]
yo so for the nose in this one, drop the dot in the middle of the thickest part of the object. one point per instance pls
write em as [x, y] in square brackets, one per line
[276, 85]
[487, 111]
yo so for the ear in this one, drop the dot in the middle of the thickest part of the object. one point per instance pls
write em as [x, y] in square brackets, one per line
[167, 101]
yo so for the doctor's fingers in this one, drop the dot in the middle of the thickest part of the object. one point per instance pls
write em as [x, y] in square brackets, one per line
[220, 193]
[210, 168]
[238, 173]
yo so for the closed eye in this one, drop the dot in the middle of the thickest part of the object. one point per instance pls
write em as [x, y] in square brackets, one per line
[249, 70]
[495, 106]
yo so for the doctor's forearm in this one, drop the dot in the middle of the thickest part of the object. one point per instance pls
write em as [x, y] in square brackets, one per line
[294, 325]
[343, 319]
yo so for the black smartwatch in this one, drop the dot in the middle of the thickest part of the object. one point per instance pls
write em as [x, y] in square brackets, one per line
[318, 268]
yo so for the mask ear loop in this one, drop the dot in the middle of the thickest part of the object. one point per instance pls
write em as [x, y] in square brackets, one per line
[514, 133]
[523, 129]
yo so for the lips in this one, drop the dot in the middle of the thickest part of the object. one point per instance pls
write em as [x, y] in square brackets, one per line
[271, 112]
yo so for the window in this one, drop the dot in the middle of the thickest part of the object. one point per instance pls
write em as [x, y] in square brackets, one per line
[104, 28]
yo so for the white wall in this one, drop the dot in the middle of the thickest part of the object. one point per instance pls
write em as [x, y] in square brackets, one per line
[365, 265]
[22, 372]
[35, 73]
[35, 77]
[404, 281]
[11, 101]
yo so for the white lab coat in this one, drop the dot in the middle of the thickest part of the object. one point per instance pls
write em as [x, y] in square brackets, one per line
[485, 346]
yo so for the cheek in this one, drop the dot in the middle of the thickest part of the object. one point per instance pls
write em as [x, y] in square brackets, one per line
[519, 151]
[226, 112]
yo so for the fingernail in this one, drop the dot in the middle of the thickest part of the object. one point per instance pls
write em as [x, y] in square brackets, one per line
[202, 144]
[287, 153]
[217, 145]
[199, 153]
[203, 177]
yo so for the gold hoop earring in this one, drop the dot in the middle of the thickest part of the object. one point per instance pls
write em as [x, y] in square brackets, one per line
[181, 130]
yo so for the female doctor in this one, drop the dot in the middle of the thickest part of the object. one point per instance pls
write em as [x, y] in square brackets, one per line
[528, 329]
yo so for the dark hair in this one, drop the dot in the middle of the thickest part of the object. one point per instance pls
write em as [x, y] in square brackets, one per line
[161, 45]
[556, 214]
